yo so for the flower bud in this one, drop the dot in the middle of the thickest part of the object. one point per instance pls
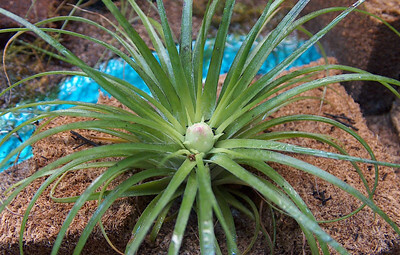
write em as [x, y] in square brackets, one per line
[199, 137]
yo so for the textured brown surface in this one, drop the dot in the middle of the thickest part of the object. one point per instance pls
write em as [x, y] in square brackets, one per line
[40, 10]
[361, 234]
[364, 42]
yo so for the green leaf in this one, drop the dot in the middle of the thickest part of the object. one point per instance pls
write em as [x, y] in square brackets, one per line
[281, 182]
[181, 85]
[271, 156]
[151, 26]
[244, 97]
[121, 166]
[185, 45]
[159, 222]
[209, 95]
[242, 117]
[198, 53]
[285, 147]
[176, 181]
[205, 183]
[183, 216]
[272, 194]
[318, 137]
[259, 58]
[109, 200]
[205, 213]
[242, 56]
[226, 215]
[162, 79]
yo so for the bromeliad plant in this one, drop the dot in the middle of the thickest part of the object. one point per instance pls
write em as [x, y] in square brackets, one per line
[190, 139]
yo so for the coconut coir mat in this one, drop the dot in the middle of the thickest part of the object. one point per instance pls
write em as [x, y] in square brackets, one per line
[361, 234]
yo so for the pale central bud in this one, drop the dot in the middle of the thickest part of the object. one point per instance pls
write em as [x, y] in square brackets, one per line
[199, 137]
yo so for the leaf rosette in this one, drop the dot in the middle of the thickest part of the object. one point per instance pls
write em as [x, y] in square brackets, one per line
[194, 165]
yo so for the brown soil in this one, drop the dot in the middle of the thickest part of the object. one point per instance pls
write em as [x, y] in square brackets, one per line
[364, 42]
[361, 234]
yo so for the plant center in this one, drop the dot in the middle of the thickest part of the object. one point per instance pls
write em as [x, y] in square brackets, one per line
[199, 138]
